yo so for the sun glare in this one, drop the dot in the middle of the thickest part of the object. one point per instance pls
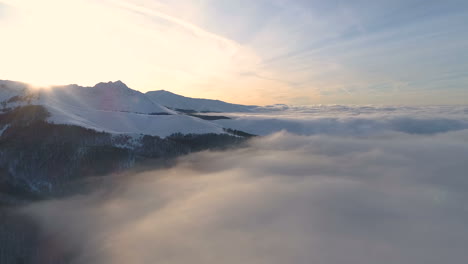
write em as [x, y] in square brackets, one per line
[38, 85]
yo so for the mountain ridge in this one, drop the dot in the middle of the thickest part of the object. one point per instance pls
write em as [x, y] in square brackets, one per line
[111, 107]
[51, 137]
[175, 101]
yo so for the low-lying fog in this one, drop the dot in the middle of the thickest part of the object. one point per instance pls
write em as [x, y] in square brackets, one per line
[386, 198]
[349, 120]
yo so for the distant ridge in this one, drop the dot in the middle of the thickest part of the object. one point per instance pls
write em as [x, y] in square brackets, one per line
[179, 102]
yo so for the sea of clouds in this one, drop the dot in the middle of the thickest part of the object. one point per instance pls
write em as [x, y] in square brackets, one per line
[385, 196]
[349, 120]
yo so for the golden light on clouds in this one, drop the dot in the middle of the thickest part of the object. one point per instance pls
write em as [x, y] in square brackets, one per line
[85, 42]
[250, 52]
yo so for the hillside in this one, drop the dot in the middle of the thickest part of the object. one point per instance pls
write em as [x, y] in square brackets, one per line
[106, 107]
[183, 103]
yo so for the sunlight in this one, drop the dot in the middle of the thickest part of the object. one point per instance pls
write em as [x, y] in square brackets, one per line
[41, 85]
[233, 131]
[147, 48]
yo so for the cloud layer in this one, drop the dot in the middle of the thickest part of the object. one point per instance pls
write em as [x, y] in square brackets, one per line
[387, 198]
[350, 120]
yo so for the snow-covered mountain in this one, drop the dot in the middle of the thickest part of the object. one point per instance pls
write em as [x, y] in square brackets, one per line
[109, 107]
[52, 136]
[54, 142]
[9, 89]
[111, 96]
[175, 101]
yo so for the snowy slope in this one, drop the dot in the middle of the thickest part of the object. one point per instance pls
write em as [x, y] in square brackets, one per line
[109, 107]
[129, 123]
[113, 107]
[9, 89]
[111, 96]
[175, 101]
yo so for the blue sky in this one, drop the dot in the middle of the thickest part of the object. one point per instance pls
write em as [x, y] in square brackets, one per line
[387, 48]
[276, 51]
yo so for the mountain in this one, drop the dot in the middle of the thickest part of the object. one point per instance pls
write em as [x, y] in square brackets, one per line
[187, 104]
[58, 141]
[108, 107]
[111, 96]
[9, 89]
[53, 136]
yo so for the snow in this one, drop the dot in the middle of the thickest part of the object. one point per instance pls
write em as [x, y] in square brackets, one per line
[4, 129]
[109, 107]
[175, 101]
[111, 96]
[128, 141]
[116, 122]
[114, 108]
[9, 89]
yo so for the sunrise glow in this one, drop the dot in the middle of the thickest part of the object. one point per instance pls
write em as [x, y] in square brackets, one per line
[296, 52]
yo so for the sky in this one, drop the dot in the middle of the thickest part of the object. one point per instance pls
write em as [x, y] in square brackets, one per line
[250, 52]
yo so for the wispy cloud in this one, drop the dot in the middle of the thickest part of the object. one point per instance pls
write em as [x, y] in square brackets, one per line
[323, 52]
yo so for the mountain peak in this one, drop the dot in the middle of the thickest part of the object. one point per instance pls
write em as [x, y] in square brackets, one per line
[117, 84]
[163, 92]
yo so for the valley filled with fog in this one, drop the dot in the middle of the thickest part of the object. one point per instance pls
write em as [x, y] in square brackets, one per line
[329, 185]
[233, 132]
[349, 120]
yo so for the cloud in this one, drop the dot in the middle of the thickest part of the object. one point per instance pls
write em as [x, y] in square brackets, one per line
[146, 47]
[349, 120]
[386, 198]
[364, 52]
[367, 48]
